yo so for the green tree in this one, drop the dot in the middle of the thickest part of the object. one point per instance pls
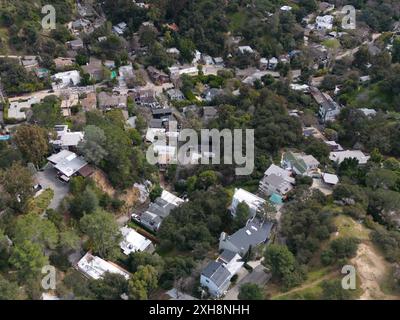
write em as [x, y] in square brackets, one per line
[32, 141]
[283, 265]
[33, 228]
[206, 179]
[155, 192]
[17, 183]
[333, 290]
[143, 282]
[92, 147]
[396, 50]
[250, 291]
[111, 287]
[137, 259]
[28, 259]
[48, 113]
[103, 232]
[8, 289]
[242, 215]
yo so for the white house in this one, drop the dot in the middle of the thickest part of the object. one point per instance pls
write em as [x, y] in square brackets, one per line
[324, 22]
[65, 138]
[340, 156]
[133, 241]
[302, 164]
[254, 202]
[94, 267]
[217, 275]
[245, 49]
[276, 180]
[66, 79]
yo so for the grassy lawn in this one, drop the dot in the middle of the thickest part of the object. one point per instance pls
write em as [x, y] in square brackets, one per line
[39, 204]
[348, 227]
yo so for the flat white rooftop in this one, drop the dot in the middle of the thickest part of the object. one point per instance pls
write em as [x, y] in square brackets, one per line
[95, 267]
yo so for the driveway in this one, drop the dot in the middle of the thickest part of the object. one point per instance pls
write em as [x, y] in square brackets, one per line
[48, 179]
[258, 276]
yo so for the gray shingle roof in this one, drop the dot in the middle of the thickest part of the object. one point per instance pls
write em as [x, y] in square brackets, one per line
[217, 273]
[253, 234]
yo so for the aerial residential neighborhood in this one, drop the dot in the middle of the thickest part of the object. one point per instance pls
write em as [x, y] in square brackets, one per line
[200, 150]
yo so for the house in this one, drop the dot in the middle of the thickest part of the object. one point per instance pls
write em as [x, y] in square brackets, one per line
[174, 52]
[178, 70]
[299, 163]
[66, 79]
[275, 184]
[252, 235]
[62, 63]
[175, 94]
[340, 156]
[66, 140]
[75, 44]
[209, 114]
[158, 210]
[17, 109]
[368, 112]
[328, 109]
[263, 64]
[330, 179]
[126, 72]
[217, 275]
[95, 69]
[173, 27]
[30, 63]
[286, 8]
[69, 164]
[324, 22]
[334, 146]
[326, 7]
[134, 241]
[276, 180]
[207, 59]
[160, 113]
[146, 98]
[272, 63]
[245, 50]
[107, 101]
[68, 100]
[219, 61]
[157, 76]
[120, 28]
[95, 268]
[210, 94]
[254, 202]
[89, 102]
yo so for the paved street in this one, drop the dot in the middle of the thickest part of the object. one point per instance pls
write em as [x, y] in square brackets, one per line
[48, 179]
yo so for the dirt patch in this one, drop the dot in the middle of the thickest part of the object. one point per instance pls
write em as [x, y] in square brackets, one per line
[372, 269]
[102, 182]
[130, 196]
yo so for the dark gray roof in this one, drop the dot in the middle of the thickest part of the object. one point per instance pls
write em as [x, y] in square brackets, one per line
[253, 234]
[156, 123]
[161, 111]
[226, 256]
[217, 273]
[161, 208]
